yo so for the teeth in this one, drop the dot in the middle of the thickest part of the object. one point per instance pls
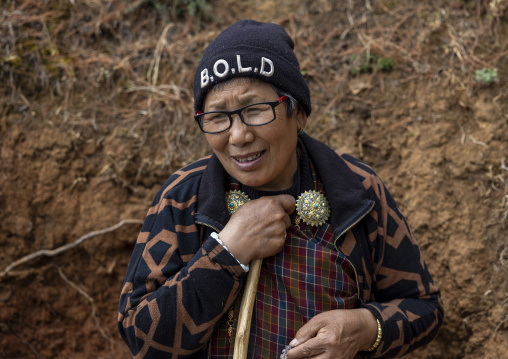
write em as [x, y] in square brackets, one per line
[247, 159]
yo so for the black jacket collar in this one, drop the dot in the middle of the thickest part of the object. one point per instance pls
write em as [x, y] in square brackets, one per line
[348, 199]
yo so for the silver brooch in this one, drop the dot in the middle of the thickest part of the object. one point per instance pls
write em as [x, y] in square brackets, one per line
[235, 199]
[312, 208]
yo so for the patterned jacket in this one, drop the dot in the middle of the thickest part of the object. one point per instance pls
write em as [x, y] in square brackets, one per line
[180, 281]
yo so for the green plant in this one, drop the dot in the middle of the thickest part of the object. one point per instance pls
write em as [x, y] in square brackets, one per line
[197, 9]
[486, 76]
[362, 65]
[386, 64]
[370, 62]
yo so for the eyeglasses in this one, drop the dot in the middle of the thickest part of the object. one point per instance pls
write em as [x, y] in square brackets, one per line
[256, 114]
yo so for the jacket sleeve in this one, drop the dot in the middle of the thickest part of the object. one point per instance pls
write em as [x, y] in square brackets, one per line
[403, 296]
[176, 289]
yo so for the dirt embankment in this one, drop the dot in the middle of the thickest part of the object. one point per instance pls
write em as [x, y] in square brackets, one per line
[96, 108]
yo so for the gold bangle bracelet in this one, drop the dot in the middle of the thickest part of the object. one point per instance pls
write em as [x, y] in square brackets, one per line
[378, 339]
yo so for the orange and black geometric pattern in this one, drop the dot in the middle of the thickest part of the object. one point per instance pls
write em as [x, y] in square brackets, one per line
[180, 282]
[397, 286]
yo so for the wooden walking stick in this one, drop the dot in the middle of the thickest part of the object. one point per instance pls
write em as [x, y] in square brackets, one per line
[246, 308]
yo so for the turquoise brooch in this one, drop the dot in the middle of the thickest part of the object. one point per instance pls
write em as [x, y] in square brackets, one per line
[235, 199]
[312, 207]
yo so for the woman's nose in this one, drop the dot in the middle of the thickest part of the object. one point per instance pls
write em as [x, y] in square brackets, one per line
[240, 133]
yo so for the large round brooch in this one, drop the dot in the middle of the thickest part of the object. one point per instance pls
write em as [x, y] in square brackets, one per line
[313, 208]
[235, 199]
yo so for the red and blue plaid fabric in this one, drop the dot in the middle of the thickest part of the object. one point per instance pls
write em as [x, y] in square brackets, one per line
[307, 277]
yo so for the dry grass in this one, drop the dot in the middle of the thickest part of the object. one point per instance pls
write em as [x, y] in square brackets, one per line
[118, 63]
[118, 75]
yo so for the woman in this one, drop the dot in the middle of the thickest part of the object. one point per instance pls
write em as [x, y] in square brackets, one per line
[342, 275]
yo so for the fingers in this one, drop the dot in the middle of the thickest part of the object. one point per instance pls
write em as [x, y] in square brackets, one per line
[287, 202]
[267, 209]
[313, 348]
[258, 228]
[337, 334]
[287, 222]
[305, 333]
[310, 348]
[309, 340]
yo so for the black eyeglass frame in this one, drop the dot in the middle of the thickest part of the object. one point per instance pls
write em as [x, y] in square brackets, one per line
[198, 116]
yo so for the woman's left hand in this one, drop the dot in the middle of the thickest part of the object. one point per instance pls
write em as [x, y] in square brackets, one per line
[337, 334]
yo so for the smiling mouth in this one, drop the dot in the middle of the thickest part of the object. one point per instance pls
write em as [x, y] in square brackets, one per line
[248, 159]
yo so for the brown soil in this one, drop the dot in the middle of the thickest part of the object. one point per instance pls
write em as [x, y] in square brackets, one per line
[96, 105]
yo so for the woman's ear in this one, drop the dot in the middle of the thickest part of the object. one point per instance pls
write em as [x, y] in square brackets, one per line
[301, 117]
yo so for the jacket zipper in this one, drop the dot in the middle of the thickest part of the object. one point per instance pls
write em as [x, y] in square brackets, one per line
[207, 225]
[344, 231]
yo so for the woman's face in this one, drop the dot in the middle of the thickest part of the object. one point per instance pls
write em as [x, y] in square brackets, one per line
[261, 157]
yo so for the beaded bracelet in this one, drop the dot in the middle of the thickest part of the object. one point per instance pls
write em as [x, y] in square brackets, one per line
[378, 339]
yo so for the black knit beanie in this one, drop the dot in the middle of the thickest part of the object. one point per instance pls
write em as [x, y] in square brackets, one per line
[252, 49]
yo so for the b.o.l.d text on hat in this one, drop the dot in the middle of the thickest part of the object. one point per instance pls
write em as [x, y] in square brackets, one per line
[221, 68]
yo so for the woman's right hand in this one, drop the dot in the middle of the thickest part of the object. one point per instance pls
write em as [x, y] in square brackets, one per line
[258, 228]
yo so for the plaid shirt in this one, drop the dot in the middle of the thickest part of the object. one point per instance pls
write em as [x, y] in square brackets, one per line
[181, 283]
[306, 278]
